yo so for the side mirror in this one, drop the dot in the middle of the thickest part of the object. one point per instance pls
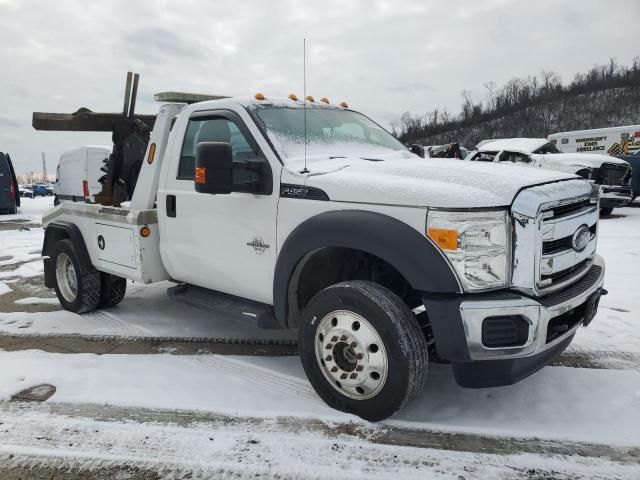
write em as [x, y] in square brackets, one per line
[214, 165]
[417, 149]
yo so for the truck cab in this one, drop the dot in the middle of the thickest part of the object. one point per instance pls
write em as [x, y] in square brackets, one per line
[379, 259]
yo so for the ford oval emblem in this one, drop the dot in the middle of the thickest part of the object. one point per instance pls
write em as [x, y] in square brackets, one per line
[581, 238]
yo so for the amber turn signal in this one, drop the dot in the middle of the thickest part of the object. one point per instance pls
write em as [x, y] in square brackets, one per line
[145, 232]
[444, 238]
[201, 175]
[152, 153]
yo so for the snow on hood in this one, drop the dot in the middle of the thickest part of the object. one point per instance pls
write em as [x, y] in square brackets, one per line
[405, 179]
[590, 160]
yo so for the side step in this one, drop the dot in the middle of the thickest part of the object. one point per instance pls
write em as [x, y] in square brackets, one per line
[255, 313]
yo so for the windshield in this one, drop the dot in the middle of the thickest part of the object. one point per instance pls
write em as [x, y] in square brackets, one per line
[548, 148]
[330, 132]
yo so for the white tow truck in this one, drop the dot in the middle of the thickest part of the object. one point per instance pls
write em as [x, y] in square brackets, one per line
[379, 258]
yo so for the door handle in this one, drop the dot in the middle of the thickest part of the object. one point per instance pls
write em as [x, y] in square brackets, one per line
[171, 206]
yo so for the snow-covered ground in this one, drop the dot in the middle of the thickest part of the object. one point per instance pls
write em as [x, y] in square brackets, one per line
[588, 406]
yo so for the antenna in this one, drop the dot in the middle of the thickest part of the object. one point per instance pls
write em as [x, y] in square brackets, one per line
[304, 94]
[44, 168]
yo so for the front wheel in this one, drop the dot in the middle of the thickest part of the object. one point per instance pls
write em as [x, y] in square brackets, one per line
[362, 349]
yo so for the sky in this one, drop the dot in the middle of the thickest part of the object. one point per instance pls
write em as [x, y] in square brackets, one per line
[383, 57]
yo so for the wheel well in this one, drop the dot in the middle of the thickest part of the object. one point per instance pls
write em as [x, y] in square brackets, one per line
[326, 266]
[55, 232]
[584, 173]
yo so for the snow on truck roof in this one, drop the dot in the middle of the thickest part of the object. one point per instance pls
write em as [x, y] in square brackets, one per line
[521, 145]
[292, 101]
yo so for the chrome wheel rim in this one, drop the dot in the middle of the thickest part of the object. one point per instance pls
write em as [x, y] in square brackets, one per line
[66, 277]
[351, 355]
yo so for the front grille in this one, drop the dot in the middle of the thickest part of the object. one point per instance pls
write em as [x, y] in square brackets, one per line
[612, 174]
[564, 210]
[563, 275]
[562, 244]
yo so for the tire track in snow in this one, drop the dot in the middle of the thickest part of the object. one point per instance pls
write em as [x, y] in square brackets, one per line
[34, 440]
[276, 382]
[110, 320]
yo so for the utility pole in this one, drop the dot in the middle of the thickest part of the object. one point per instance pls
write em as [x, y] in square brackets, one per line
[44, 168]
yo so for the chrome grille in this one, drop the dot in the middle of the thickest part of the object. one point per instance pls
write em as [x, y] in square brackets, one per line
[560, 264]
[544, 258]
[613, 174]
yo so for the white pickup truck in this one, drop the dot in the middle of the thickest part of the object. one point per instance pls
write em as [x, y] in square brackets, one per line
[611, 175]
[379, 258]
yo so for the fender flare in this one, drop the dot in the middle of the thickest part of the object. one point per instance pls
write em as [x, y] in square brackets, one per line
[58, 231]
[412, 254]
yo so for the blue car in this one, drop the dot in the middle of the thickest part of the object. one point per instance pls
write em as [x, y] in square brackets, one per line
[40, 190]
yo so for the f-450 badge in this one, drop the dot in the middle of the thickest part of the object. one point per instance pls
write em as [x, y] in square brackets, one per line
[258, 245]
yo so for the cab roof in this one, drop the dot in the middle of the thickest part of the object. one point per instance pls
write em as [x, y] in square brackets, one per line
[520, 145]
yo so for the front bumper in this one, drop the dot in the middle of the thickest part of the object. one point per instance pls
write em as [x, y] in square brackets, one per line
[612, 196]
[457, 325]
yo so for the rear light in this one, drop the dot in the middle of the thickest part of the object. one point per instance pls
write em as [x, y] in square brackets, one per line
[85, 188]
[553, 141]
[12, 190]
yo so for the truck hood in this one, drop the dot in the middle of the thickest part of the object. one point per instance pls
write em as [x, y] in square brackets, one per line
[404, 179]
[580, 160]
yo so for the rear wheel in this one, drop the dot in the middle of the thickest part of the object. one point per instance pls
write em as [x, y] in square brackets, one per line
[77, 291]
[606, 211]
[362, 349]
[112, 290]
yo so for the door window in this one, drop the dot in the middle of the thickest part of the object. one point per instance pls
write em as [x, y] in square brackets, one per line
[514, 157]
[218, 129]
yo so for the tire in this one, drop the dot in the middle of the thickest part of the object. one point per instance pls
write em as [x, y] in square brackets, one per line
[112, 290]
[336, 346]
[77, 292]
[606, 211]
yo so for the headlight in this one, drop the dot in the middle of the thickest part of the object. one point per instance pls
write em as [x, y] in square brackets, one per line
[476, 243]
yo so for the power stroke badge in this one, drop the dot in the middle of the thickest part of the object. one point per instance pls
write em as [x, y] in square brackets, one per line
[258, 245]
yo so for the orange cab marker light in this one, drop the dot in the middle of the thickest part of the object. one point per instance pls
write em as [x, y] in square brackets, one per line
[145, 232]
[152, 153]
[444, 238]
[259, 96]
[292, 96]
[201, 175]
[310, 98]
[344, 104]
[324, 100]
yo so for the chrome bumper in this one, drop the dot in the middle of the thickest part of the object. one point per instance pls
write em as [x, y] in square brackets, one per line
[615, 195]
[537, 312]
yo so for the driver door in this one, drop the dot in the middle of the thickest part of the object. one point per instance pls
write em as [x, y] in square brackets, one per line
[224, 242]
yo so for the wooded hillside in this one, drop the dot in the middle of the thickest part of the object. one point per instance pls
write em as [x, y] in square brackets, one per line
[605, 96]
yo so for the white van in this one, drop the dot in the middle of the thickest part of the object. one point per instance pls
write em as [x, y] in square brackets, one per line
[612, 141]
[78, 173]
